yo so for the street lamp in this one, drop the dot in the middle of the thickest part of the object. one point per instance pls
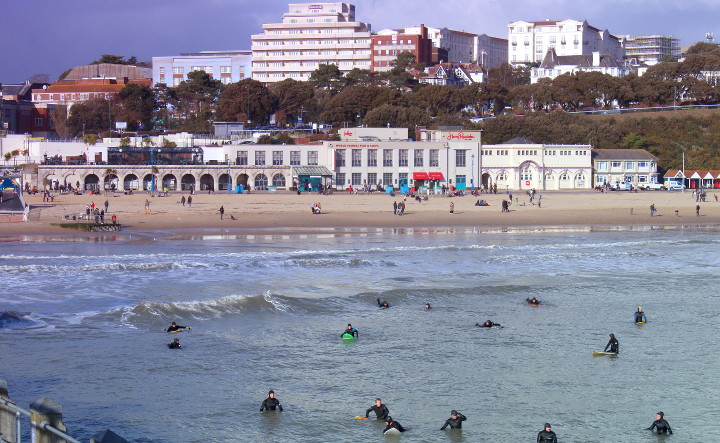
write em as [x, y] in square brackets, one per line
[229, 179]
[472, 172]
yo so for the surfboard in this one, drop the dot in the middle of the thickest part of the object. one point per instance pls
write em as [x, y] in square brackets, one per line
[602, 353]
[392, 431]
[176, 331]
[639, 322]
[357, 417]
[348, 337]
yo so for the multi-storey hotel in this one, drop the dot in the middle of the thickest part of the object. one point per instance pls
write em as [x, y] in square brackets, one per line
[227, 66]
[311, 34]
[652, 48]
[529, 41]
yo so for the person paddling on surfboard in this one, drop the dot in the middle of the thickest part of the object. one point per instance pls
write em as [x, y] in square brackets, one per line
[455, 420]
[640, 316]
[175, 344]
[532, 301]
[612, 345]
[488, 324]
[390, 424]
[427, 306]
[175, 327]
[350, 330]
[383, 304]
[546, 435]
[381, 411]
[662, 426]
[270, 403]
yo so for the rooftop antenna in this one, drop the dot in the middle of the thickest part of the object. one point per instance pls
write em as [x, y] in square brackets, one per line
[710, 37]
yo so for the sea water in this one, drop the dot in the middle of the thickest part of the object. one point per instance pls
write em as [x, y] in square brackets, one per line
[83, 324]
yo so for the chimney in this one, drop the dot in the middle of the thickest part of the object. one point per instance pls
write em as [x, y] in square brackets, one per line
[596, 58]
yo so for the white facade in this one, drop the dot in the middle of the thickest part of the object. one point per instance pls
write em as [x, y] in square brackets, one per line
[311, 34]
[226, 66]
[652, 48]
[460, 45]
[528, 42]
[490, 52]
[635, 167]
[554, 66]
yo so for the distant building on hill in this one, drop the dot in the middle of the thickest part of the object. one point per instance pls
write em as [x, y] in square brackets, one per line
[554, 65]
[635, 167]
[389, 43]
[226, 66]
[652, 48]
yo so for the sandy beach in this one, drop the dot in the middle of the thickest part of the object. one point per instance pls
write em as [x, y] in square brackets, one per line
[261, 210]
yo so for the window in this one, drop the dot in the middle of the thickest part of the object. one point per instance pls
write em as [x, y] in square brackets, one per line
[162, 72]
[260, 159]
[642, 178]
[294, 158]
[501, 176]
[616, 165]
[460, 157]
[629, 165]
[357, 157]
[564, 176]
[418, 158]
[340, 157]
[340, 179]
[642, 165]
[403, 178]
[242, 158]
[277, 158]
[602, 166]
[372, 178]
[356, 179]
[387, 179]
[38, 122]
[278, 181]
[372, 157]
[226, 80]
[225, 69]
[312, 158]
[387, 157]
[526, 174]
[403, 158]
[434, 158]
[261, 180]
[178, 70]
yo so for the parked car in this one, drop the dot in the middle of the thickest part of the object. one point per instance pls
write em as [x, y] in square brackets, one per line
[651, 186]
[672, 185]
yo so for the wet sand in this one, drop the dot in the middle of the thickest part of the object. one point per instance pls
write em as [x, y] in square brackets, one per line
[260, 211]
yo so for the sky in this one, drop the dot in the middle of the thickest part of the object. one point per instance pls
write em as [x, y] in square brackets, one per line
[50, 36]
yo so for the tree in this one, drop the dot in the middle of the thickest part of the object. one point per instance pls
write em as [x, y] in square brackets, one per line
[90, 139]
[361, 77]
[167, 101]
[168, 144]
[91, 116]
[437, 99]
[196, 98]
[118, 60]
[401, 76]
[125, 142]
[265, 139]
[284, 138]
[136, 104]
[246, 100]
[398, 116]
[59, 115]
[292, 98]
[327, 77]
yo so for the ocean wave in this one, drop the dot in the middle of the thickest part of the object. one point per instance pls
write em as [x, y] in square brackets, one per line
[20, 320]
[155, 266]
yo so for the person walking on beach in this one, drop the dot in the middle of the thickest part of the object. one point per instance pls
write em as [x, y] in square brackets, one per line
[147, 206]
[189, 201]
[652, 210]
[182, 201]
[452, 207]
[697, 210]
[395, 206]
[546, 435]
[107, 205]
[222, 212]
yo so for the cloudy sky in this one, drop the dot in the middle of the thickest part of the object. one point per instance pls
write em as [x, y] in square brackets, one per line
[49, 36]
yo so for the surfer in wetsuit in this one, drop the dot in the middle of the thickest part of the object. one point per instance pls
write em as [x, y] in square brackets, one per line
[532, 301]
[487, 324]
[381, 411]
[546, 435]
[612, 345]
[660, 424]
[175, 344]
[640, 315]
[350, 330]
[455, 420]
[427, 306]
[175, 327]
[390, 423]
[383, 304]
[270, 403]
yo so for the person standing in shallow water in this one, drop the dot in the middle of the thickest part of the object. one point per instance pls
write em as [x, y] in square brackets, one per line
[271, 403]
[546, 435]
[660, 424]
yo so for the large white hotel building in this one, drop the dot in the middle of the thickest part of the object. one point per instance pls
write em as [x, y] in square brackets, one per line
[310, 34]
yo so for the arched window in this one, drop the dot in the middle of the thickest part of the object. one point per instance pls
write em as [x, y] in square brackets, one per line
[564, 176]
[261, 182]
[526, 174]
[278, 181]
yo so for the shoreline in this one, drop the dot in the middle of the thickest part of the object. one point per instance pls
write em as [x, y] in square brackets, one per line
[261, 213]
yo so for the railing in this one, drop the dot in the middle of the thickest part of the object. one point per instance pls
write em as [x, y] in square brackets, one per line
[45, 426]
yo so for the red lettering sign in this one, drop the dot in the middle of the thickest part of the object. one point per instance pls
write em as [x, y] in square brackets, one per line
[348, 133]
[460, 136]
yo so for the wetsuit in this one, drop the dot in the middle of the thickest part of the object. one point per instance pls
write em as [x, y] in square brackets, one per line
[383, 304]
[174, 345]
[381, 412]
[351, 331]
[532, 301]
[269, 404]
[546, 437]
[662, 426]
[487, 324]
[395, 425]
[176, 328]
[640, 317]
[613, 345]
[454, 423]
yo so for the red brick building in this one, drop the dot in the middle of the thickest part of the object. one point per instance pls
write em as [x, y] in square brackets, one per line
[388, 44]
[69, 92]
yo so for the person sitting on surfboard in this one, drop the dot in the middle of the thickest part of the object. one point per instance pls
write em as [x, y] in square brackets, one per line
[381, 411]
[546, 435]
[350, 330]
[487, 324]
[383, 304]
[390, 423]
[455, 420]
[532, 301]
[612, 345]
[174, 327]
[270, 403]
[640, 316]
[175, 344]
[662, 426]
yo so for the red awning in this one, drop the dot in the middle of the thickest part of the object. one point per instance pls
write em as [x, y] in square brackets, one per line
[420, 176]
[436, 176]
